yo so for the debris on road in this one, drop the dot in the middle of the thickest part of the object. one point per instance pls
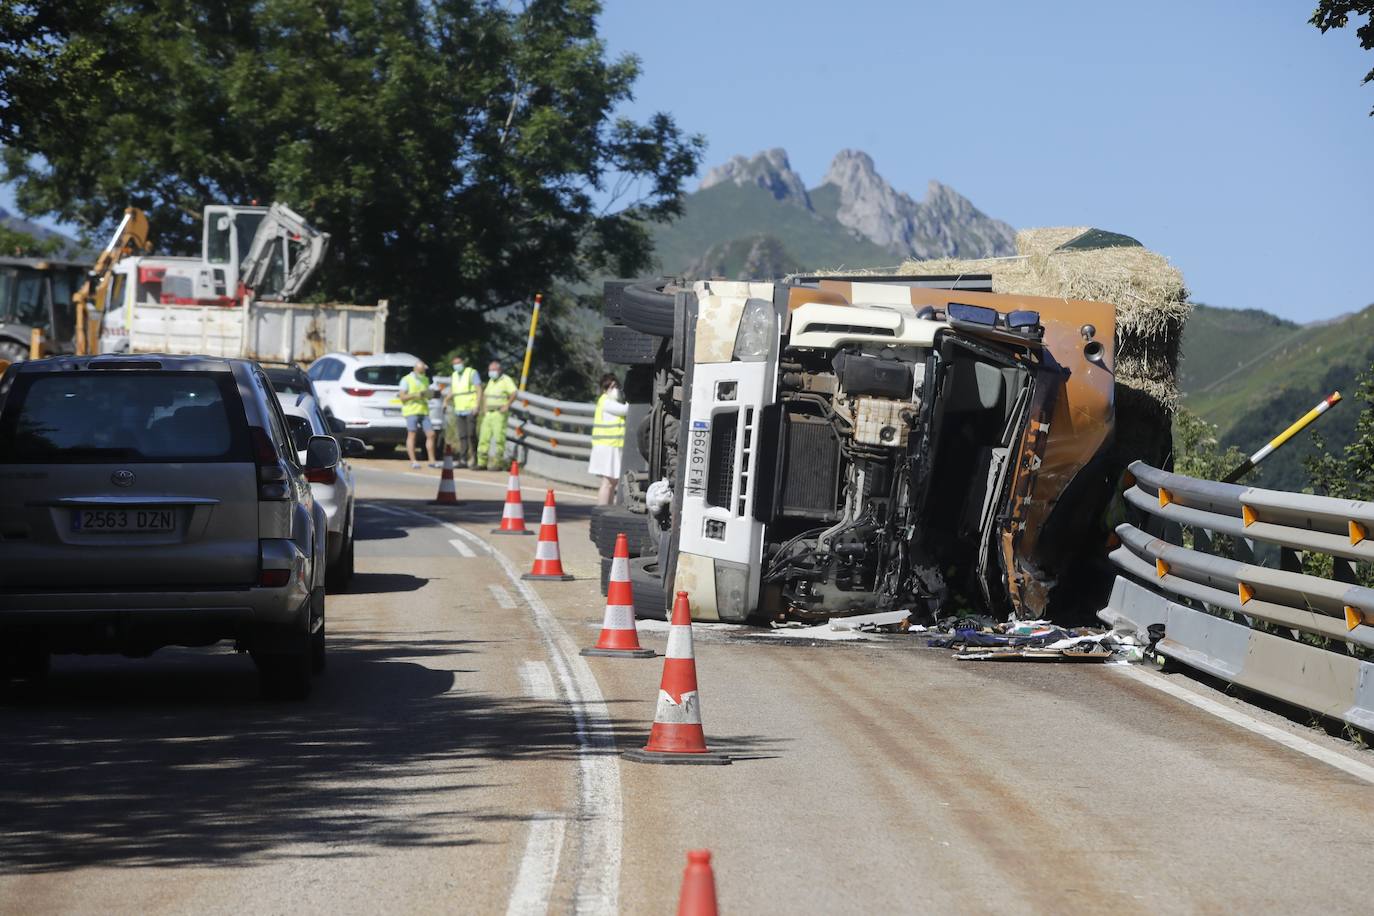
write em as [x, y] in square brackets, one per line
[886, 622]
[1034, 640]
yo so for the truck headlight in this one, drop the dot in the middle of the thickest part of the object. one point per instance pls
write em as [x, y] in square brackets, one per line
[754, 339]
[732, 590]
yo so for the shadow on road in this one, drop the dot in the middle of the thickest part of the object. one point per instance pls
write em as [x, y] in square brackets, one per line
[384, 583]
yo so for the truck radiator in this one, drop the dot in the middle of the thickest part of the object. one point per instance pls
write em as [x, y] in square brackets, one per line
[720, 479]
[810, 467]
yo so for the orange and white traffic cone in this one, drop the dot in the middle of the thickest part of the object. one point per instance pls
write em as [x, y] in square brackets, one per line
[619, 638]
[513, 515]
[677, 736]
[448, 493]
[547, 563]
[698, 896]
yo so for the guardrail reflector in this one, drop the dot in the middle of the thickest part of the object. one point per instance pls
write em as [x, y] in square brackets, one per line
[1357, 533]
[1245, 592]
[1160, 566]
[1248, 515]
[1165, 497]
[1353, 617]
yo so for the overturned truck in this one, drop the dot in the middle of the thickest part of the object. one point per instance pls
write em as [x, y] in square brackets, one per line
[831, 445]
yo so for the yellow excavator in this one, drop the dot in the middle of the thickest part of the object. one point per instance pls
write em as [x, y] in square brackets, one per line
[130, 239]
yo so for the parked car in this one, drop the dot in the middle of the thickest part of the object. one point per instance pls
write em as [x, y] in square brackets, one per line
[333, 487]
[148, 501]
[364, 392]
[289, 378]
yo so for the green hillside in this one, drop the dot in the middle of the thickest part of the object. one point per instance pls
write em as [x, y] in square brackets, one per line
[1252, 374]
[725, 212]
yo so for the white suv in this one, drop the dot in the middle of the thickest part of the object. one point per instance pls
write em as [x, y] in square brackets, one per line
[364, 392]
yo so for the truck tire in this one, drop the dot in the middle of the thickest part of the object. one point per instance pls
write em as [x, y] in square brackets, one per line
[650, 601]
[628, 347]
[647, 308]
[605, 575]
[608, 521]
[612, 294]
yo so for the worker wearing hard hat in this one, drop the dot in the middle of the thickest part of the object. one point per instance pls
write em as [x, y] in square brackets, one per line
[497, 396]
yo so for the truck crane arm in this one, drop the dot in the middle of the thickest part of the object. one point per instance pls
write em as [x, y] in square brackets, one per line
[130, 238]
[306, 246]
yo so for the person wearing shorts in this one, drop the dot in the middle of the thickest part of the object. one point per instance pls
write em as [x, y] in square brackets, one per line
[415, 408]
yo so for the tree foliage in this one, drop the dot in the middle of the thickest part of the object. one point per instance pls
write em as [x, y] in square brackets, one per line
[462, 153]
[1335, 14]
[16, 244]
[1350, 473]
[1197, 450]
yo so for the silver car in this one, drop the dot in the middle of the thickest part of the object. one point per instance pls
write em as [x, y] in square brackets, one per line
[333, 487]
[148, 501]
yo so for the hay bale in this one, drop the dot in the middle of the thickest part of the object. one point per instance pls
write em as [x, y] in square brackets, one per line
[1148, 292]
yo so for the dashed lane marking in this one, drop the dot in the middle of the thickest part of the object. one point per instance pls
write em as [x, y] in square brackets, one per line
[1250, 724]
[599, 817]
[538, 866]
[502, 597]
[463, 549]
[537, 681]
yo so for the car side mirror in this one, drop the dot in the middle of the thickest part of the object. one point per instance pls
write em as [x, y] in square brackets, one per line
[321, 453]
[336, 426]
[352, 448]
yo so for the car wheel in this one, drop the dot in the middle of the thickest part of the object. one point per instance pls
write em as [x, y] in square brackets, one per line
[286, 676]
[317, 656]
[647, 308]
[340, 573]
[384, 448]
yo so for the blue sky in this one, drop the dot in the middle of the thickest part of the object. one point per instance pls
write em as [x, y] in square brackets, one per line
[1233, 137]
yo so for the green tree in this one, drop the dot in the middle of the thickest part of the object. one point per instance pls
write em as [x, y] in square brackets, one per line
[464, 154]
[15, 244]
[1197, 451]
[1350, 474]
[1335, 14]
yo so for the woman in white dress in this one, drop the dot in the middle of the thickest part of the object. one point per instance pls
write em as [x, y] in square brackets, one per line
[608, 439]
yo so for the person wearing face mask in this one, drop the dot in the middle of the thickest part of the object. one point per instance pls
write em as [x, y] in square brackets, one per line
[497, 396]
[465, 386]
[608, 439]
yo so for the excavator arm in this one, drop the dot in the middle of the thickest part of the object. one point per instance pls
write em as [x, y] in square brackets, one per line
[303, 253]
[130, 238]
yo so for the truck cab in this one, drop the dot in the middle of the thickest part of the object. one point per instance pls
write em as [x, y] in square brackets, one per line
[37, 293]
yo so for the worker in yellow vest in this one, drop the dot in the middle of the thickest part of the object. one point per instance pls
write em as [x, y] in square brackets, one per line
[608, 440]
[415, 394]
[497, 396]
[465, 386]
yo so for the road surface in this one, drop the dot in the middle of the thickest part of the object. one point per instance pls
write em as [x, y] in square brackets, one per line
[459, 756]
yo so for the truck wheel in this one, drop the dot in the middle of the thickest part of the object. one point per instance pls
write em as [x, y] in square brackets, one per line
[605, 575]
[628, 347]
[612, 293]
[647, 308]
[650, 601]
[608, 521]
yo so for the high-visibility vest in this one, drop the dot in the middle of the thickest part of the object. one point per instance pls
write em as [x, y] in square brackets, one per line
[465, 389]
[497, 391]
[414, 384]
[607, 428]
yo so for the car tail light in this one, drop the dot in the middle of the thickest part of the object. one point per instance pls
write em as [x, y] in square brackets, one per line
[361, 392]
[273, 478]
[322, 475]
[273, 578]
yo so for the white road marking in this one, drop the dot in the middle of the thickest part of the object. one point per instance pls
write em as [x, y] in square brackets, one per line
[1249, 723]
[463, 549]
[503, 598]
[539, 866]
[600, 814]
[537, 681]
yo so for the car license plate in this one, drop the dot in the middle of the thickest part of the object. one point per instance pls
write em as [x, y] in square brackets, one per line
[391, 411]
[114, 521]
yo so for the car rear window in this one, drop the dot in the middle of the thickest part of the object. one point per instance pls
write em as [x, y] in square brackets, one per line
[124, 416]
[289, 382]
[381, 375]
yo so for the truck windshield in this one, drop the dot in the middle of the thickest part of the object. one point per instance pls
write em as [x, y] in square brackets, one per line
[125, 416]
[218, 234]
[247, 226]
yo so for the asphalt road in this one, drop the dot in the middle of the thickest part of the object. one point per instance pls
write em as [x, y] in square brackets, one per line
[459, 756]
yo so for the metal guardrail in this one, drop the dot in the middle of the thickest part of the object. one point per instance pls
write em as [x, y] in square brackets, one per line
[553, 438]
[1220, 567]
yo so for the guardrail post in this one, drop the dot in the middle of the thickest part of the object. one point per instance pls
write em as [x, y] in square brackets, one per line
[1344, 570]
[1290, 560]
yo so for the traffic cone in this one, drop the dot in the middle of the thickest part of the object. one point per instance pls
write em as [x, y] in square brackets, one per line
[547, 563]
[677, 736]
[513, 515]
[698, 896]
[619, 638]
[448, 494]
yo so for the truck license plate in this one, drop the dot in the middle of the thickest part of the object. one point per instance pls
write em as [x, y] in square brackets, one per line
[114, 521]
[697, 450]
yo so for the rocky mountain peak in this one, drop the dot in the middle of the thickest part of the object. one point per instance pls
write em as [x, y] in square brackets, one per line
[943, 224]
[769, 170]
